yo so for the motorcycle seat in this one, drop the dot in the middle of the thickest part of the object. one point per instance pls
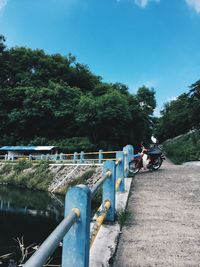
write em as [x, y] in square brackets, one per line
[154, 152]
[137, 155]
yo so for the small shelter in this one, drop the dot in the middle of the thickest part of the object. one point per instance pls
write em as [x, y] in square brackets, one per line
[20, 151]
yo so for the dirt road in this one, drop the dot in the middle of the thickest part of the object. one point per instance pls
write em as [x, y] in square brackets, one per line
[164, 229]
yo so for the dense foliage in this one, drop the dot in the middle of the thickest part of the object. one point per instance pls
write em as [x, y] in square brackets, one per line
[53, 99]
[186, 148]
[180, 115]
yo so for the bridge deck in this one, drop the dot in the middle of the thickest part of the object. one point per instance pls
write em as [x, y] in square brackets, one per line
[164, 229]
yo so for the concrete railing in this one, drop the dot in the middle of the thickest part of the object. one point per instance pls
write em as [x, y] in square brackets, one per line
[74, 230]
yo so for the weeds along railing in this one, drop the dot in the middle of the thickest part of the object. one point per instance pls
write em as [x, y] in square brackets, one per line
[74, 230]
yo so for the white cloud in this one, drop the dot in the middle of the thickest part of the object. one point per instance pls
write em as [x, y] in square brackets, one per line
[173, 98]
[156, 112]
[150, 83]
[144, 3]
[3, 3]
[194, 4]
[140, 3]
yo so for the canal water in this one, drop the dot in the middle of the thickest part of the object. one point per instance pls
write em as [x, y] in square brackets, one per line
[26, 219]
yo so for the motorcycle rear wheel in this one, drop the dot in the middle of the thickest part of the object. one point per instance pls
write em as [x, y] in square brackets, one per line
[157, 164]
[133, 167]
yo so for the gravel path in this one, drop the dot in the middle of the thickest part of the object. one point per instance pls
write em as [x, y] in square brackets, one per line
[164, 229]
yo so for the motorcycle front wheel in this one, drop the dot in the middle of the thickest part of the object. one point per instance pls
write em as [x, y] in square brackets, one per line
[133, 167]
[157, 163]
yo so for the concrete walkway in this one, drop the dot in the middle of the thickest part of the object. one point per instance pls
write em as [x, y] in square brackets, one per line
[164, 229]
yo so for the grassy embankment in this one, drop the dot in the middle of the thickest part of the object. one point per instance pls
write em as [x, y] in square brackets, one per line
[33, 176]
[26, 174]
[39, 177]
[183, 149]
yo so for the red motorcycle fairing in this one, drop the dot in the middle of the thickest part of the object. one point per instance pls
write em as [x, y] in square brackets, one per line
[136, 156]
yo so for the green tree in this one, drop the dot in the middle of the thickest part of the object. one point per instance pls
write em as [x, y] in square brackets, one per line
[146, 99]
[175, 118]
[113, 117]
[147, 102]
[2, 43]
[195, 104]
[53, 99]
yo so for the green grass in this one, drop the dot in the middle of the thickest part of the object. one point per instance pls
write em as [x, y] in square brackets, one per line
[186, 148]
[96, 201]
[122, 216]
[82, 179]
[21, 165]
[5, 169]
[25, 174]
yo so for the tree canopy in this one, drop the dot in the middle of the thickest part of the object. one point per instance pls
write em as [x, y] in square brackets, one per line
[180, 115]
[53, 99]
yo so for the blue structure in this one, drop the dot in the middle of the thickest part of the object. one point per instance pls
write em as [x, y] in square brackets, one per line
[75, 227]
[79, 234]
[29, 148]
[32, 152]
[128, 154]
[82, 157]
[100, 156]
[109, 188]
[120, 170]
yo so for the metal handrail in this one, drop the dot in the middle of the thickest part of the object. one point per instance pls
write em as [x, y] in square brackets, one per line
[77, 242]
[92, 153]
[51, 243]
[99, 183]
[64, 156]
[68, 154]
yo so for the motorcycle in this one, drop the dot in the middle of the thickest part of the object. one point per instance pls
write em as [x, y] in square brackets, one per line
[151, 158]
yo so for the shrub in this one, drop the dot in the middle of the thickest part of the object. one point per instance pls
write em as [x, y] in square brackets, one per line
[21, 165]
[123, 215]
[186, 148]
[79, 180]
[96, 201]
[5, 169]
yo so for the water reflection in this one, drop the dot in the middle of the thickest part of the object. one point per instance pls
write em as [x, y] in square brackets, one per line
[27, 215]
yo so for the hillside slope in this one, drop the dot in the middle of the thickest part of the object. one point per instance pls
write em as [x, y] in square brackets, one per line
[183, 148]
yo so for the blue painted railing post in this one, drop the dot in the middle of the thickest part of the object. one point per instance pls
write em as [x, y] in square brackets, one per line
[100, 156]
[82, 157]
[120, 170]
[75, 251]
[109, 188]
[128, 154]
[12, 158]
[61, 156]
[42, 157]
[75, 157]
[30, 157]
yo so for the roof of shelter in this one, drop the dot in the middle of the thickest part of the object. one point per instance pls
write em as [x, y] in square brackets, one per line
[27, 148]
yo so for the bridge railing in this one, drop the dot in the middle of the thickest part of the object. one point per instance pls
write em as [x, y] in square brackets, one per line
[74, 230]
[81, 157]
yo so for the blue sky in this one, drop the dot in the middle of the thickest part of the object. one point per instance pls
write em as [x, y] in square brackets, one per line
[136, 42]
